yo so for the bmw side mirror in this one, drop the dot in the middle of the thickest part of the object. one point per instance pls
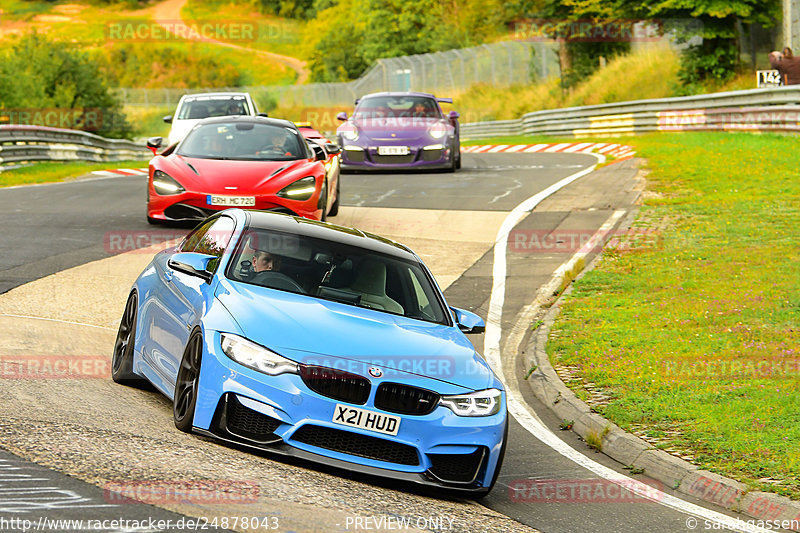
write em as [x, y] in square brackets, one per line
[192, 263]
[154, 143]
[341, 116]
[168, 119]
[265, 115]
[468, 322]
[332, 148]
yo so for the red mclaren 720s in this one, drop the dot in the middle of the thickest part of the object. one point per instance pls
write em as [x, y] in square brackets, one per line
[240, 161]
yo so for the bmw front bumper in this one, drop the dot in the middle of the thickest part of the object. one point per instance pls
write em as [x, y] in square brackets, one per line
[282, 414]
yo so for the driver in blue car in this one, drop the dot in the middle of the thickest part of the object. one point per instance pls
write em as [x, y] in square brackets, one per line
[264, 261]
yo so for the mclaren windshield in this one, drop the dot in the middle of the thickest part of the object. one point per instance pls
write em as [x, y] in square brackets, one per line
[239, 140]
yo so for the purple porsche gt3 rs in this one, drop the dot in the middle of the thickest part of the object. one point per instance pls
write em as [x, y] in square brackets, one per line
[403, 130]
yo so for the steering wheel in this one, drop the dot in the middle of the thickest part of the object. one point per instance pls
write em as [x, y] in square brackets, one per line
[277, 280]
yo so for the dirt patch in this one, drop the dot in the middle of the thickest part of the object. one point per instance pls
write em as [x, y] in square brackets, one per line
[68, 9]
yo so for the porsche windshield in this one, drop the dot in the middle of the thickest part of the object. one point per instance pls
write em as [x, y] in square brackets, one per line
[334, 271]
[398, 106]
[243, 141]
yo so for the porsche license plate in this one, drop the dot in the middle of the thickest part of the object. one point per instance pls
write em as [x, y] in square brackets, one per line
[364, 419]
[393, 150]
[231, 201]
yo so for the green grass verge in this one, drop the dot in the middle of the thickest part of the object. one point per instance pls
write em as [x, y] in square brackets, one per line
[59, 171]
[689, 328]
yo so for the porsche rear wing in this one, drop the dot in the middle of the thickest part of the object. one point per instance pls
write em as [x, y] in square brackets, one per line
[445, 100]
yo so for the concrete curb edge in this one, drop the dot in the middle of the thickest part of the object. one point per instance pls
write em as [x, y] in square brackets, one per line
[633, 452]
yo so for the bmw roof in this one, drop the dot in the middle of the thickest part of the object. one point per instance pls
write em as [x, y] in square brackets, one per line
[330, 232]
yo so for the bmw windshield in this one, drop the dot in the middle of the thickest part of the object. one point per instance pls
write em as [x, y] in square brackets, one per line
[335, 271]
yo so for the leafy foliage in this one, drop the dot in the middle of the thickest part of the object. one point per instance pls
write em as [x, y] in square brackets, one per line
[348, 36]
[288, 8]
[38, 74]
[159, 65]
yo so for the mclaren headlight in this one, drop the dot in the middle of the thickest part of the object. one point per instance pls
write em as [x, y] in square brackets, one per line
[302, 189]
[166, 185]
[349, 131]
[437, 131]
[256, 357]
[480, 403]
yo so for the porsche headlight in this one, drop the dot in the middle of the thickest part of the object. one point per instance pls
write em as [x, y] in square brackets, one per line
[349, 131]
[481, 403]
[437, 131]
[256, 357]
[166, 185]
[302, 189]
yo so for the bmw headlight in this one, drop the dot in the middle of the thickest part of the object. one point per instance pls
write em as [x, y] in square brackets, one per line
[437, 131]
[349, 131]
[166, 185]
[302, 189]
[480, 403]
[256, 357]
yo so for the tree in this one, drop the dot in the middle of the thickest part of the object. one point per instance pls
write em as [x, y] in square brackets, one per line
[37, 74]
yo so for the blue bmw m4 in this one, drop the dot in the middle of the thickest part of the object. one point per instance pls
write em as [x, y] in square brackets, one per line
[319, 342]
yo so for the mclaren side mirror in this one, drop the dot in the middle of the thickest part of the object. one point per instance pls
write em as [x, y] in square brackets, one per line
[154, 143]
[168, 119]
[341, 116]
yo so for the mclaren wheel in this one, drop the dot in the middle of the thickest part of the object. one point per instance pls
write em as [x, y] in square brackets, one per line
[335, 207]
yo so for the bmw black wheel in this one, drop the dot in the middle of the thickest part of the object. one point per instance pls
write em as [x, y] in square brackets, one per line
[185, 399]
[122, 359]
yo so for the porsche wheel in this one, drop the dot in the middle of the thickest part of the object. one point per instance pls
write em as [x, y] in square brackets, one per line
[452, 167]
[122, 359]
[186, 386]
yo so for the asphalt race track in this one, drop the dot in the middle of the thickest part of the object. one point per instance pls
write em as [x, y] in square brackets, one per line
[73, 437]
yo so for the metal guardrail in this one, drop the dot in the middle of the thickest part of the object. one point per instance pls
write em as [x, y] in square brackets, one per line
[38, 143]
[774, 109]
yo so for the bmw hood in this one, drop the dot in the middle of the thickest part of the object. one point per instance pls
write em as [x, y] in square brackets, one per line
[320, 332]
